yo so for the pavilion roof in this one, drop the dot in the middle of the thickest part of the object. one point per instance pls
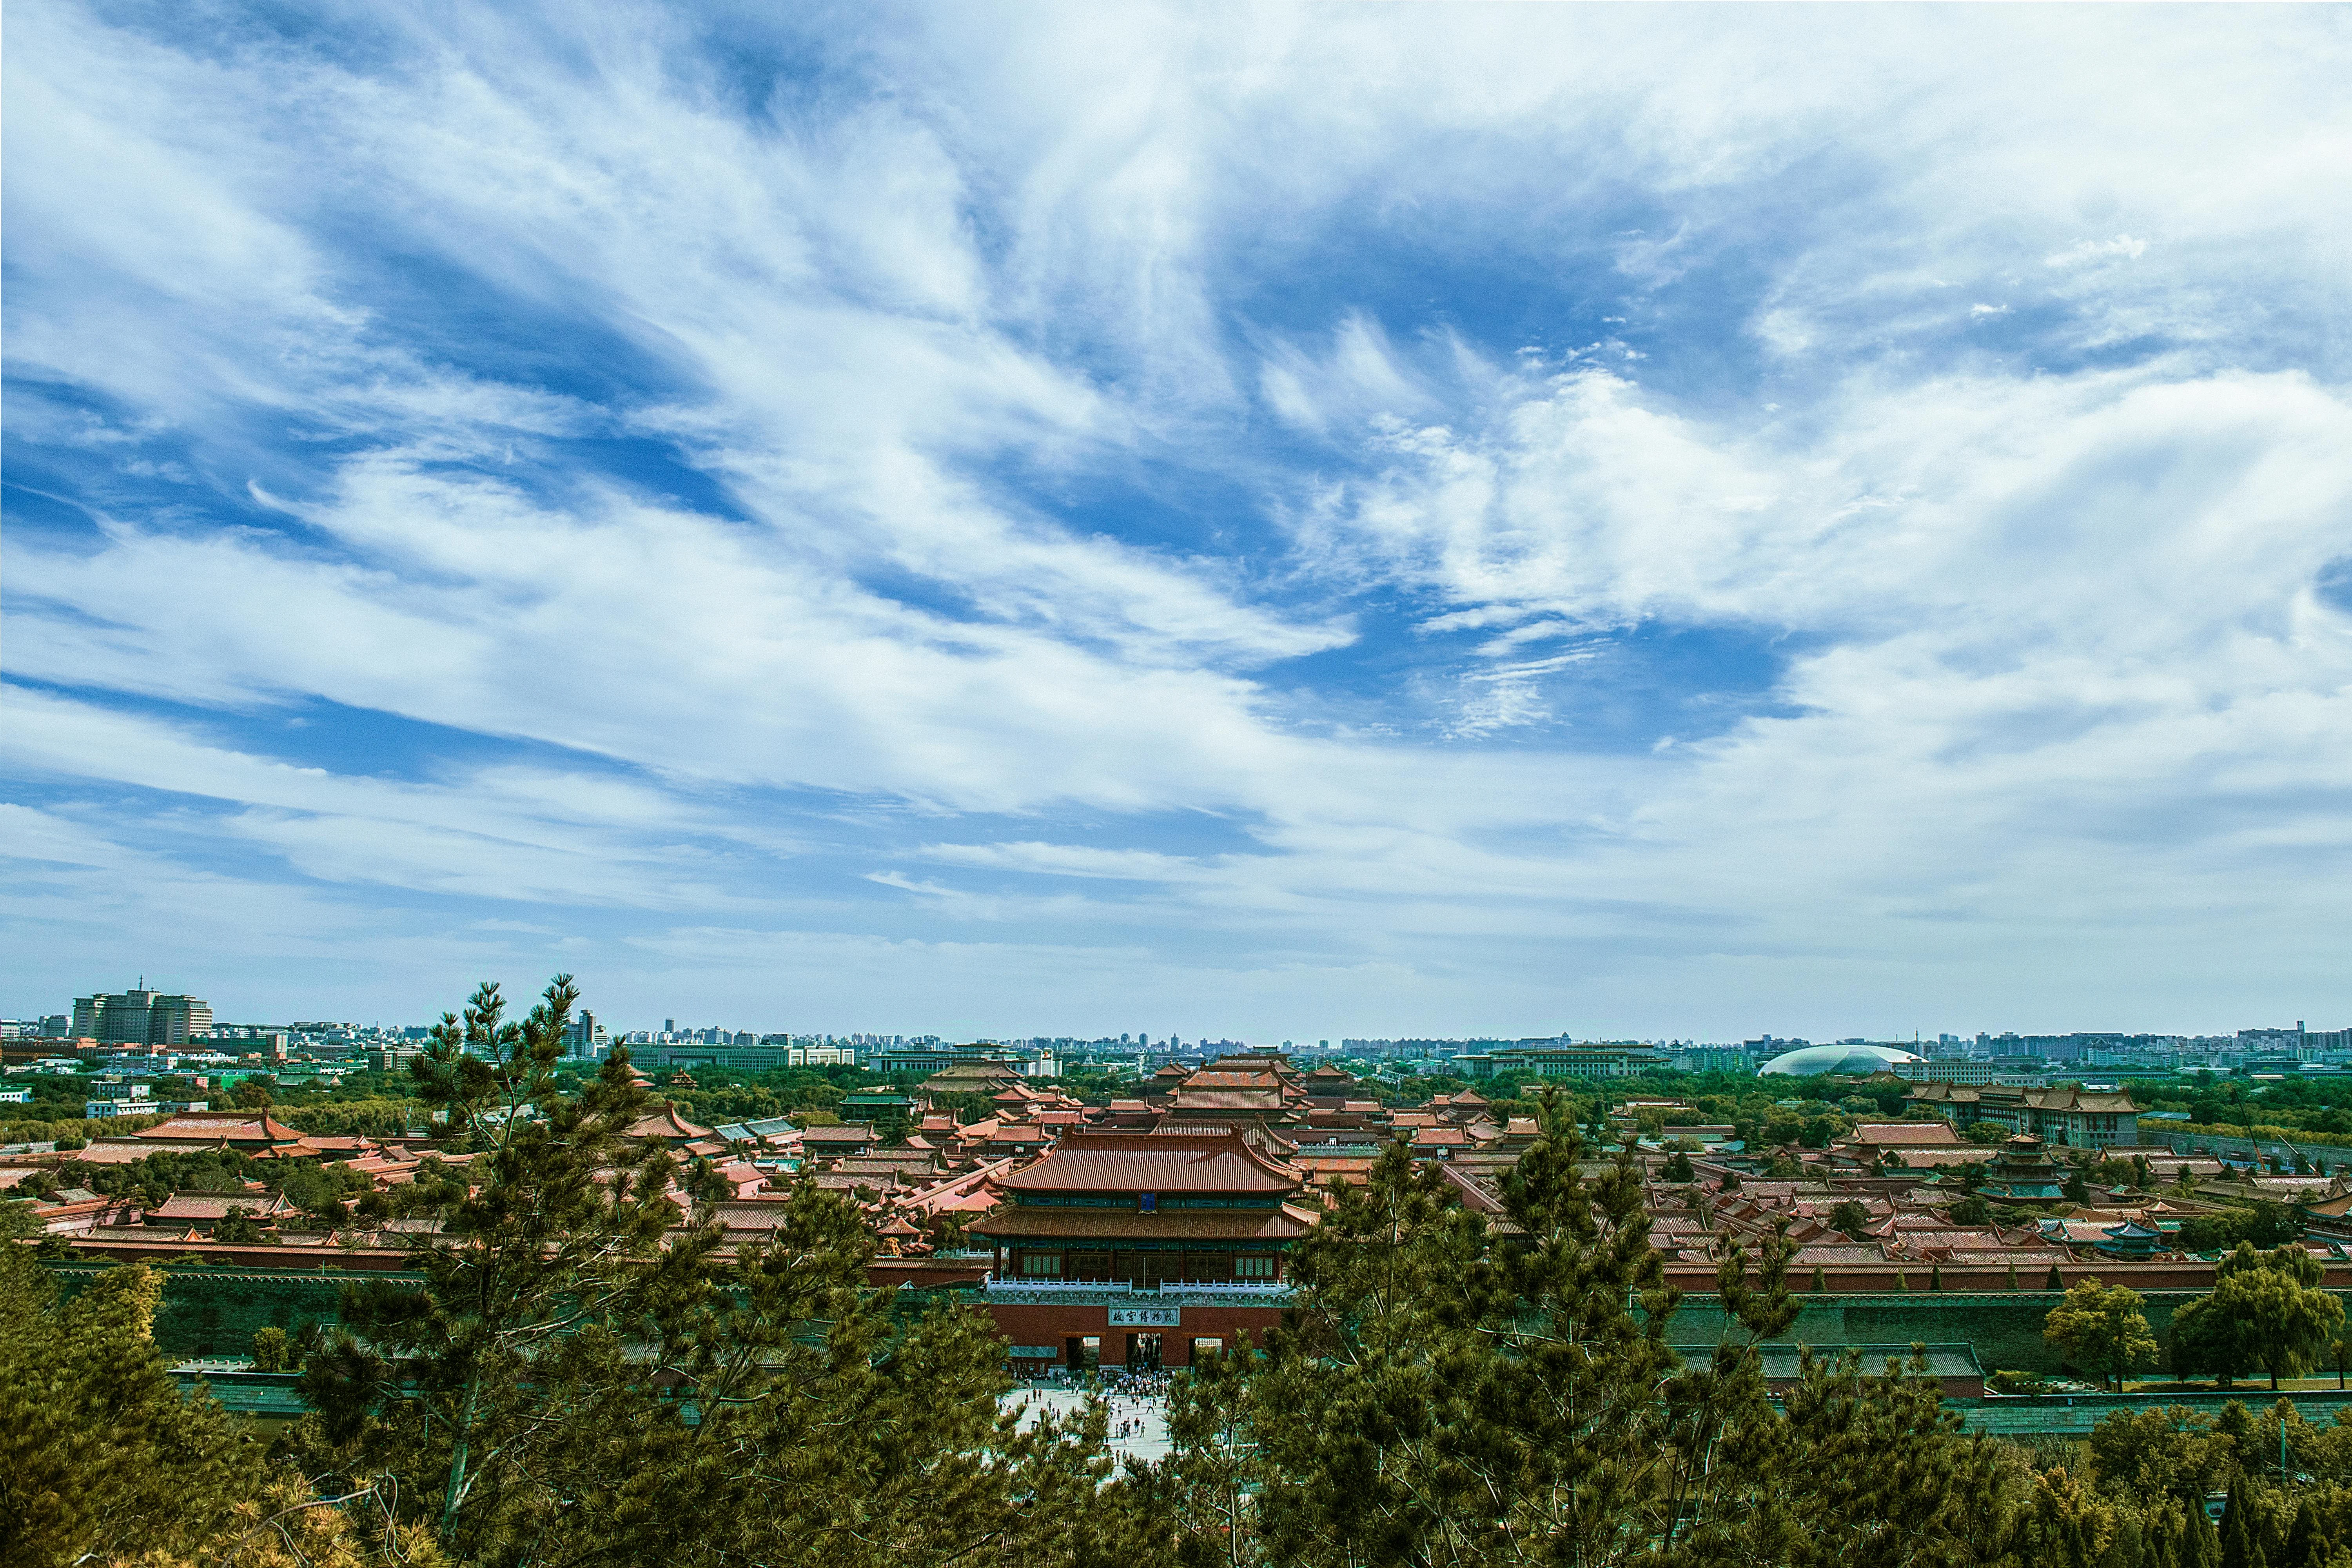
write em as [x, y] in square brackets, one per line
[975, 1188]
[848, 1133]
[107, 1152]
[851, 1180]
[1017, 1223]
[665, 1123]
[878, 1163]
[1220, 1160]
[199, 1126]
[216, 1205]
[977, 1072]
[1216, 1078]
[1190, 1098]
[1901, 1134]
[2078, 1099]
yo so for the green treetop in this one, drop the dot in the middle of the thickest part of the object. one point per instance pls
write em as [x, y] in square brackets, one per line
[587, 1378]
[2102, 1328]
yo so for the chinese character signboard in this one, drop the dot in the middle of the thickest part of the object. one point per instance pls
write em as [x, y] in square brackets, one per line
[1146, 1317]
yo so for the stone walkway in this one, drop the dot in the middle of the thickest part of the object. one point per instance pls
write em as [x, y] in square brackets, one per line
[1147, 1417]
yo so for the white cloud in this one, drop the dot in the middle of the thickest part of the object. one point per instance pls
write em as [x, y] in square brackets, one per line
[1358, 381]
[1073, 860]
[501, 832]
[2056, 688]
[2123, 246]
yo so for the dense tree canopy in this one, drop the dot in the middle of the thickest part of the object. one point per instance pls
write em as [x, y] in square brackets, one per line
[103, 1460]
[583, 1381]
[2102, 1328]
[2266, 1311]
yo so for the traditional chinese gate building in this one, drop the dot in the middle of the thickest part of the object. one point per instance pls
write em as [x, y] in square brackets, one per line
[1141, 1248]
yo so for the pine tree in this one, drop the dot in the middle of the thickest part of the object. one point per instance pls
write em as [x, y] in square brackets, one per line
[1441, 1393]
[2238, 1547]
[273, 1349]
[2199, 1544]
[2306, 1543]
[584, 1378]
[2071, 1526]
[103, 1459]
[1215, 1469]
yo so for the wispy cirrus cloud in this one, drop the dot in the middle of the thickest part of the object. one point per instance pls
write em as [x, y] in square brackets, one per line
[1370, 522]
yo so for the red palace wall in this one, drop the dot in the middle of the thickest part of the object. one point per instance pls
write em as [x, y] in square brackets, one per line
[1056, 1324]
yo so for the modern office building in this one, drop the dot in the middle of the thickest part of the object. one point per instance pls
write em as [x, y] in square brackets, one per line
[1563, 1057]
[1026, 1057]
[586, 1038]
[1714, 1058]
[702, 1054]
[391, 1056]
[141, 1017]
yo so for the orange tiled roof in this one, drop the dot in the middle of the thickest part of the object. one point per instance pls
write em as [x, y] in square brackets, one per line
[1901, 1134]
[665, 1123]
[1198, 1161]
[1018, 1222]
[207, 1126]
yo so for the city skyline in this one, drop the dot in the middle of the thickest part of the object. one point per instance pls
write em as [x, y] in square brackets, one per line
[1281, 524]
[673, 1028]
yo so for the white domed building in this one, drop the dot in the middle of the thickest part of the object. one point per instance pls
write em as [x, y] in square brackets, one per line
[1844, 1061]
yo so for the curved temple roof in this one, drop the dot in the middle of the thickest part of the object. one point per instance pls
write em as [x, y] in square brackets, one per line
[1204, 1162]
[1111, 1228]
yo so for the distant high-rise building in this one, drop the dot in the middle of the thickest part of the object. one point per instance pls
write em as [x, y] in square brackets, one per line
[391, 1056]
[141, 1017]
[586, 1038]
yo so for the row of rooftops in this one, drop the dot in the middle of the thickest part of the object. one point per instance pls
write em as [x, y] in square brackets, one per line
[2065, 1098]
[1000, 1177]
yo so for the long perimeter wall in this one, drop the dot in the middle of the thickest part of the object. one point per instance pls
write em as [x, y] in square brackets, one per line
[213, 1309]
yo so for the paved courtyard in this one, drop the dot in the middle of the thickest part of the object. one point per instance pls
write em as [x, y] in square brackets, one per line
[1142, 1418]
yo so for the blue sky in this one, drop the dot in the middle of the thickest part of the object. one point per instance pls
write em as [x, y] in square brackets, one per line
[1266, 522]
